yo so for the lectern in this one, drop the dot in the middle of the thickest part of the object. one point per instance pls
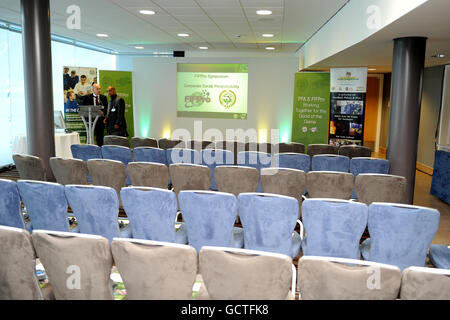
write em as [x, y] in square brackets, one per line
[89, 112]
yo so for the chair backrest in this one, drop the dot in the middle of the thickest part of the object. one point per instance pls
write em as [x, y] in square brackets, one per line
[333, 227]
[137, 142]
[264, 147]
[200, 144]
[69, 171]
[171, 143]
[118, 153]
[214, 158]
[146, 154]
[149, 174]
[329, 184]
[151, 211]
[268, 220]
[10, 208]
[190, 177]
[116, 141]
[45, 203]
[96, 209]
[330, 162]
[315, 149]
[30, 167]
[380, 188]
[233, 146]
[178, 155]
[77, 265]
[240, 274]
[401, 234]
[86, 152]
[287, 182]
[419, 283]
[355, 151]
[108, 173]
[297, 161]
[18, 272]
[292, 147]
[236, 179]
[153, 270]
[368, 165]
[327, 278]
[209, 217]
[257, 160]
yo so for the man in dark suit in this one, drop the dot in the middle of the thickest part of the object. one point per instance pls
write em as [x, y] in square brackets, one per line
[115, 117]
[96, 98]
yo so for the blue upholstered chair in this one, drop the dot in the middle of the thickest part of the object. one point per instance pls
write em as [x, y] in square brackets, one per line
[179, 155]
[269, 221]
[152, 213]
[330, 162]
[214, 158]
[146, 154]
[10, 208]
[368, 165]
[333, 227]
[399, 234]
[96, 209]
[209, 218]
[440, 256]
[118, 153]
[292, 161]
[86, 151]
[45, 204]
[257, 160]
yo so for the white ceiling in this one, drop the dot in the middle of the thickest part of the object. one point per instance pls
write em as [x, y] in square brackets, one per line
[212, 23]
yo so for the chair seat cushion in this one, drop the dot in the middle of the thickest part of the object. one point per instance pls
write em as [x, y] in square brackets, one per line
[365, 249]
[296, 244]
[181, 236]
[238, 237]
[440, 256]
[125, 232]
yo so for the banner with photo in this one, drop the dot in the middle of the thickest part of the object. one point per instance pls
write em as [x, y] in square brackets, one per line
[78, 83]
[311, 107]
[347, 105]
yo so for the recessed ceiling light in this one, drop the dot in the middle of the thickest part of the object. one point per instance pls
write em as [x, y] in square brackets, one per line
[267, 35]
[183, 34]
[150, 12]
[140, 48]
[263, 12]
[102, 35]
[270, 48]
[203, 48]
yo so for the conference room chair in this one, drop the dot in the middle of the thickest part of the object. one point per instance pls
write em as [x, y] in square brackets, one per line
[240, 274]
[45, 204]
[153, 270]
[200, 145]
[257, 160]
[10, 207]
[440, 256]
[209, 218]
[315, 149]
[355, 151]
[187, 176]
[329, 184]
[259, 146]
[171, 143]
[368, 165]
[152, 213]
[18, 268]
[236, 179]
[149, 174]
[233, 146]
[69, 171]
[400, 235]
[108, 173]
[292, 147]
[292, 161]
[419, 283]
[380, 188]
[269, 221]
[78, 266]
[137, 142]
[147, 154]
[213, 158]
[286, 182]
[118, 153]
[179, 155]
[116, 141]
[330, 162]
[333, 227]
[30, 167]
[86, 152]
[328, 278]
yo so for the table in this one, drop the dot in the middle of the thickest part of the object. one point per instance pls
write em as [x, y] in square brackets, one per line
[63, 141]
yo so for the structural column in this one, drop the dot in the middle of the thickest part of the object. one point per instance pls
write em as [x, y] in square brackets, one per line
[37, 62]
[406, 97]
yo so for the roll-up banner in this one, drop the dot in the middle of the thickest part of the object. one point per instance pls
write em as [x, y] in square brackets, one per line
[347, 105]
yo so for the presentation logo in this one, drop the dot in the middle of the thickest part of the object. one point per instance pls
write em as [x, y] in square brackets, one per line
[197, 99]
[227, 98]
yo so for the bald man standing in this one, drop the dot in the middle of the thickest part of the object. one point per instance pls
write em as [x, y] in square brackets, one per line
[115, 117]
[96, 98]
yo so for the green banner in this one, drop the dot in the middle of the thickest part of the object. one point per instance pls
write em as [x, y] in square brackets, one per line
[123, 82]
[311, 107]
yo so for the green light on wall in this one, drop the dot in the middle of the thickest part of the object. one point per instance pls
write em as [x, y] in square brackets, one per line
[285, 130]
[144, 128]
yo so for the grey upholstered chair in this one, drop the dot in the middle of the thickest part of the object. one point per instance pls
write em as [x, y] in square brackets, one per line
[200, 145]
[293, 147]
[371, 187]
[153, 270]
[419, 283]
[116, 141]
[170, 143]
[355, 151]
[325, 278]
[149, 174]
[108, 173]
[78, 265]
[315, 149]
[189, 177]
[137, 142]
[260, 147]
[329, 184]
[233, 146]
[30, 167]
[236, 179]
[69, 171]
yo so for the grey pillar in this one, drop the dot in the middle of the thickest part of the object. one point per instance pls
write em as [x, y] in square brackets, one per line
[406, 97]
[37, 62]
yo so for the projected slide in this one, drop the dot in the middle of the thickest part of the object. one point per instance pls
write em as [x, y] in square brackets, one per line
[212, 90]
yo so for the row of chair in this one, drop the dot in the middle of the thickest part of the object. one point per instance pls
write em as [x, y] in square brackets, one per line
[79, 267]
